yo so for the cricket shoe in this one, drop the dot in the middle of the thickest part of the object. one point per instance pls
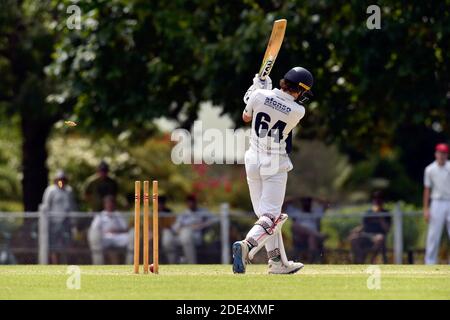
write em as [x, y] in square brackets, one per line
[277, 267]
[240, 256]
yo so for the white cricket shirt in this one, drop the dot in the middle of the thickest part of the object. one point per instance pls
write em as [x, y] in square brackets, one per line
[274, 115]
[437, 178]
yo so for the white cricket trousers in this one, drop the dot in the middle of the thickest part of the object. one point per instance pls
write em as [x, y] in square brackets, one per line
[439, 217]
[267, 178]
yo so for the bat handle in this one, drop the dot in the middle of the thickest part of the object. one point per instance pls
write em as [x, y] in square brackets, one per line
[266, 68]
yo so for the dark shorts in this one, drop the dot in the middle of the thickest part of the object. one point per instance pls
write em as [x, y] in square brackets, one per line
[368, 238]
[59, 234]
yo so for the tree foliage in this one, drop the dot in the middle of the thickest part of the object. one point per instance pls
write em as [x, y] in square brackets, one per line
[26, 46]
[133, 61]
[164, 58]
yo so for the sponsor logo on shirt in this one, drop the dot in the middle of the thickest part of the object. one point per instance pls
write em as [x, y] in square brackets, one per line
[274, 104]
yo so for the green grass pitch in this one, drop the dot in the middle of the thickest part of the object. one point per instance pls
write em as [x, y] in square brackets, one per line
[218, 282]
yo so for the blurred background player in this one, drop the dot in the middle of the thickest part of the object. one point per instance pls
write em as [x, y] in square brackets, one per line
[58, 200]
[274, 114]
[99, 186]
[186, 233]
[307, 240]
[371, 235]
[436, 189]
[109, 230]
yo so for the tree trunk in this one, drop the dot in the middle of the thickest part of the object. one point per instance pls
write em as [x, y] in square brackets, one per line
[34, 156]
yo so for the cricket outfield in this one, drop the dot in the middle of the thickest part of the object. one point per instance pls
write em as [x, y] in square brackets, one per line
[218, 282]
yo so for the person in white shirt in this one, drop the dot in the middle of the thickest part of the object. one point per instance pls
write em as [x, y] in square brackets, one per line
[109, 229]
[187, 232]
[274, 114]
[436, 189]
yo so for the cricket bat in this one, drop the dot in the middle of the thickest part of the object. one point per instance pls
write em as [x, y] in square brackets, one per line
[273, 47]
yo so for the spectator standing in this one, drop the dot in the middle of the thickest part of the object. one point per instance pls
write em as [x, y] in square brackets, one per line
[99, 186]
[57, 201]
[436, 189]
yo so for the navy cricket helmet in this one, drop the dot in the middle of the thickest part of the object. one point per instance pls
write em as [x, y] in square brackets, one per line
[300, 77]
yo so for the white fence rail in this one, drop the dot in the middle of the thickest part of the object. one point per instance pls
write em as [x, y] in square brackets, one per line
[223, 219]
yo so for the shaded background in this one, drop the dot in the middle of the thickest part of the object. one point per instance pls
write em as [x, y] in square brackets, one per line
[381, 96]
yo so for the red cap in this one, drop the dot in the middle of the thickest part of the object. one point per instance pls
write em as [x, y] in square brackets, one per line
[442, 147]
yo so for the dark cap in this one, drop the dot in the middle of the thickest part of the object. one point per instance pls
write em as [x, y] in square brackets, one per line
[103, 166]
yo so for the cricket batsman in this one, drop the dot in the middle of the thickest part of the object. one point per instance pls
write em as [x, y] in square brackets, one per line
[274, 114]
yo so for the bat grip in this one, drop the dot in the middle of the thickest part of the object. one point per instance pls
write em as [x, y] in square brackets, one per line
[266, 68]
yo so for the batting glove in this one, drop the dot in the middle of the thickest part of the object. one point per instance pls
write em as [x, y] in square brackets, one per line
[262, 84]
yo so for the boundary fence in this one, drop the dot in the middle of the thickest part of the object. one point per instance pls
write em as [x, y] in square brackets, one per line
[224, 214]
